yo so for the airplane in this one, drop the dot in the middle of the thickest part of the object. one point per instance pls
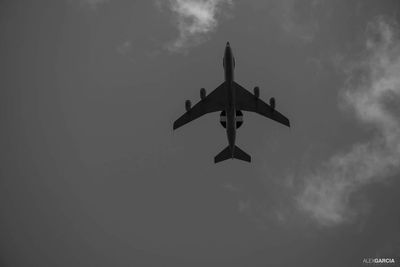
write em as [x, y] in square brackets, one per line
[230, 99]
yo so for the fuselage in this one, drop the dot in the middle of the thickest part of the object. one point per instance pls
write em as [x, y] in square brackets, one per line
[229, 66]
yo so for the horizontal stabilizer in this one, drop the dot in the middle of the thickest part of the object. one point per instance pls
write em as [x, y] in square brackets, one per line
[227, 154]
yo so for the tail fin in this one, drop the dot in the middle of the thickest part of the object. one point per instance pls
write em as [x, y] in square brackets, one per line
[226, 154]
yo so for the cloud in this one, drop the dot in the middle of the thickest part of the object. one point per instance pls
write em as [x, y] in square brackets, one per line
[194, 20]
[372, 93]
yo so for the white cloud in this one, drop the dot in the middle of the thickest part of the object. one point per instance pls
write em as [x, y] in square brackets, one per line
[371, 92]
[194, 20]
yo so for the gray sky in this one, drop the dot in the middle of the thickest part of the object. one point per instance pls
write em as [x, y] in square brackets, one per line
[93, 175]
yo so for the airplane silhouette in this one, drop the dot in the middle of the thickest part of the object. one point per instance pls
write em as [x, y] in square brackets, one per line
[230, 98]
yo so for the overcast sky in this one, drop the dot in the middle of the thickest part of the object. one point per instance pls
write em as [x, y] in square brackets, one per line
[92, 174]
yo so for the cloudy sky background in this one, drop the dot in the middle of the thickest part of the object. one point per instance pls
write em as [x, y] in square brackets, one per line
[93, 175]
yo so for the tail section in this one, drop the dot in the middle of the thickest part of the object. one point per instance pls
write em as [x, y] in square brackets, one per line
[223, 155]
[240, 154]
[227, 154]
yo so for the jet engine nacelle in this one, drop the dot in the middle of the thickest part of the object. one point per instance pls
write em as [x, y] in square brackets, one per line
[202, 93]
[272, 103]
[257, 91]
[188, 105]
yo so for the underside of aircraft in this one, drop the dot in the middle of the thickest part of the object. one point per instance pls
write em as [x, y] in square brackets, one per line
[230, 99]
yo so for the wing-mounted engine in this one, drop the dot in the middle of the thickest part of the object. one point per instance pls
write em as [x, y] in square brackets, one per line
[203, 93]
[272, 103]
[239, 118]
[257, 91]
[188, 105]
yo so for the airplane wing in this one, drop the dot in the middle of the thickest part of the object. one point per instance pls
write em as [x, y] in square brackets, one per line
[248, 102]
[213, 102]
